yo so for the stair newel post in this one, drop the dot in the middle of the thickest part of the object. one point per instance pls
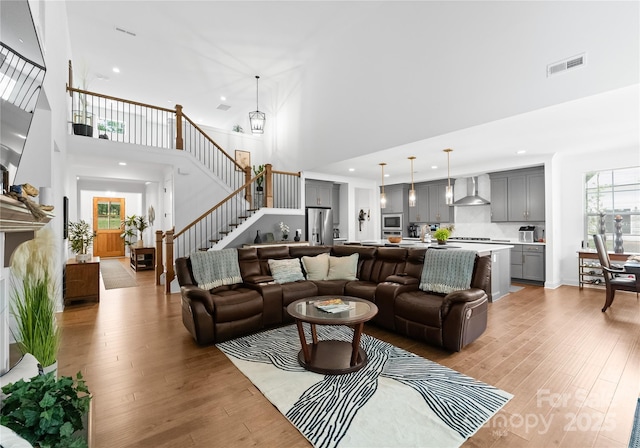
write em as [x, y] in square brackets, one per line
[268, 184]
[159, 260]
[169, 261]
[179, 140]
[247, 189]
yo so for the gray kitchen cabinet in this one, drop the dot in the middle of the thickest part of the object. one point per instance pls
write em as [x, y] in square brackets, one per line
[335, 204]
[397, 198]
[516, 261]
[318, 193]
[527, 262]
[518, 195]
[533, 262]
[499, 199]
[526, 196]
[420, 213]
[439, 211]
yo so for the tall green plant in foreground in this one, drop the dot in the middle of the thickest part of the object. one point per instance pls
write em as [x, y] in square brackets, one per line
[33, 297]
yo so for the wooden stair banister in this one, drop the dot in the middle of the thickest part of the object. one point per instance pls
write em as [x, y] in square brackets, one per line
[159, 268]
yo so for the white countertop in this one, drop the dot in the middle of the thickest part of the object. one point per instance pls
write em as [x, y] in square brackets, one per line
[492, 241]
[482, 249]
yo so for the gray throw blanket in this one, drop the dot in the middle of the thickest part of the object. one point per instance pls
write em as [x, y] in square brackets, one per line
[447, 270]
[215, 268]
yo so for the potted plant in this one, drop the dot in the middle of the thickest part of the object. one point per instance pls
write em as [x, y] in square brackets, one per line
[47, 412]
[141, 224]
[80, 239]
[33, 298]
[259, 181]
[284, 229]
[128, 226]
[442, 235]
[82, 118]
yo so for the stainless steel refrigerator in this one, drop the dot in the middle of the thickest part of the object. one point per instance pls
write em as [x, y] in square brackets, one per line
[319, 224]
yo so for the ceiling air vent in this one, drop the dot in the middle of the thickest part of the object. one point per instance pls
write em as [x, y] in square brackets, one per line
[223, 107]
[567, 64]
[122, 30]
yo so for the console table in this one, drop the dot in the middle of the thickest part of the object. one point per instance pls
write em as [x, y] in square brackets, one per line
[142, 258]
[82, 280]
[589, 269]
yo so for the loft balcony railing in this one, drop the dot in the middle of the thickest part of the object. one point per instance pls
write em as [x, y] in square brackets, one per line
[20, 79]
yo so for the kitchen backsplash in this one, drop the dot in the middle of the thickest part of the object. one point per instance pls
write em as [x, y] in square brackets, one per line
[476, 221]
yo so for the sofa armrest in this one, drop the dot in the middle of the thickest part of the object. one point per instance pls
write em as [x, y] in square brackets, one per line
[258, 279]
[402, 279]
[465, 295]
[196, 294]
[385, 299]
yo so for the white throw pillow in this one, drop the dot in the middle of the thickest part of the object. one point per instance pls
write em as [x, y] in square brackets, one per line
[286, 271]
[317, 268]
[10, 439]
[343, 268]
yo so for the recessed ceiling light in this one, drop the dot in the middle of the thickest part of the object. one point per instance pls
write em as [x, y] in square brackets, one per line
[116, 70]
[122, 163]
[352, 169]
[522, 151]
[21, 41]
[77, 177]
[23, 137]
[223, 98]
[147, 183]
[434, 167]
[386, 175]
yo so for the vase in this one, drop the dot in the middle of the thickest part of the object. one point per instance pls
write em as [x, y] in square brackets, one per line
[139, 244]
[51, 368]
[83, 258]
[603, 228]
[257, 239]
[617, 236]
[285, 236]
[297, 237]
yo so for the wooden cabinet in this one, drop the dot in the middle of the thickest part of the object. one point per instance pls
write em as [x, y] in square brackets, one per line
[142, 258]
[518, 196]
[589, 269]
[318, 193]
[82, 281]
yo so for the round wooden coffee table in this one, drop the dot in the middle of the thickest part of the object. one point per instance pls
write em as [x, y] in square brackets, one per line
[332, 357]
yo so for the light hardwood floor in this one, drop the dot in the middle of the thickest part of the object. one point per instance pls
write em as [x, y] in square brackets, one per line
[573, 370]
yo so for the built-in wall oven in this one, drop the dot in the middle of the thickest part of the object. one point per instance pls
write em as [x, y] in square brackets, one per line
[392, 222]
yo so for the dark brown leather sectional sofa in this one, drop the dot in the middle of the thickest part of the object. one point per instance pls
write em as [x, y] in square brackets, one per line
[387, 276]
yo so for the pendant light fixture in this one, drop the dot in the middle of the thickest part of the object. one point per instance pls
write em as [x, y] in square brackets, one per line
[257, 118]
[412, 192]
[449, 188]
[383, 197]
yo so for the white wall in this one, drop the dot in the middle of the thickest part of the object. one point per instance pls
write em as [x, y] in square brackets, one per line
[569, 188]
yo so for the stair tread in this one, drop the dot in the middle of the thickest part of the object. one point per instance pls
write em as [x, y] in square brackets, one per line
[224, 232]
[234, 224]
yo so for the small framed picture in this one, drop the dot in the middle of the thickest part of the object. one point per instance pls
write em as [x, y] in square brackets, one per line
[243, 158]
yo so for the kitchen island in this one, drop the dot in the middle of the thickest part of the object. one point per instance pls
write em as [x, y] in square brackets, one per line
[500, 259]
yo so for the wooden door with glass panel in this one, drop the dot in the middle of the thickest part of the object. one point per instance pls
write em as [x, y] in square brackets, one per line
[108, 213]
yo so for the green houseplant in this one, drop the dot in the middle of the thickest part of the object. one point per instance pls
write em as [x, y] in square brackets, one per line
[132, 224]
[33, 298]
[260, 180]
[442, 235]
[47, 412]
[80, 239]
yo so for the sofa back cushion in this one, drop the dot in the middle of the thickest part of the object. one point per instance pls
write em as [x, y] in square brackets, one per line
[316, 268]
[248, 261]
[271, 253]
[308, 251]
[388, 261]
[286, 270]
[366, 256]
[343, 268]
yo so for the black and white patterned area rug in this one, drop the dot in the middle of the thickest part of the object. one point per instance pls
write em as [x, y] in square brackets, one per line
[398, 399]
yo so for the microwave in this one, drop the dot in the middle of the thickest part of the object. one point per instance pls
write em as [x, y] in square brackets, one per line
[392, 222]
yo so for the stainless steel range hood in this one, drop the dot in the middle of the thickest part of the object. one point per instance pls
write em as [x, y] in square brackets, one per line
[472, 197]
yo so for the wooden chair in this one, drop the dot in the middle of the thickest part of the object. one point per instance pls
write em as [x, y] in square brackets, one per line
[612, 278]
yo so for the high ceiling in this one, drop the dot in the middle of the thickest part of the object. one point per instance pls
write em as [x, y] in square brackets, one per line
[351, 84]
